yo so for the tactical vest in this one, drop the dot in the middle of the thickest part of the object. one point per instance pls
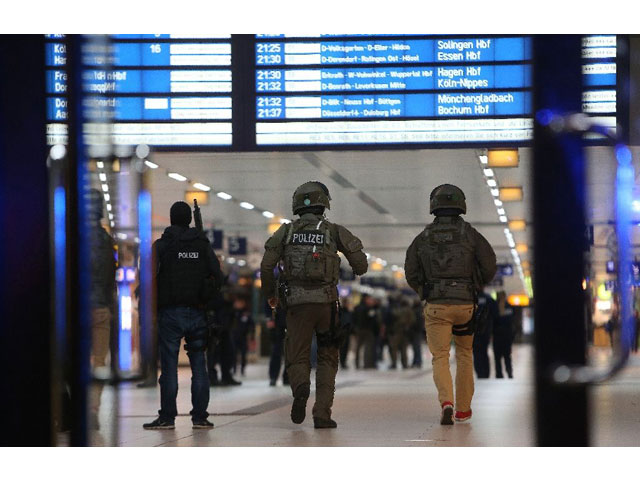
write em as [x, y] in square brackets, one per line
[183, 269]
[447, 257]
[311, 262]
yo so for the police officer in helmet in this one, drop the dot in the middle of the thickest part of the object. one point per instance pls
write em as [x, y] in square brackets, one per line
[447, 264]
[309, 249]
[188, 277]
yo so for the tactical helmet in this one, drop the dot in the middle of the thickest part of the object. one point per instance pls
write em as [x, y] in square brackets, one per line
[447, 196]
[310, 194]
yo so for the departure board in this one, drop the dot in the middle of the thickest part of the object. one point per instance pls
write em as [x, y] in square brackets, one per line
[316, 91]
[407, 89]
[163, 90]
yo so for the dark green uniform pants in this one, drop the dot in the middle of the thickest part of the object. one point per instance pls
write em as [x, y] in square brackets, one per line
[302, 320]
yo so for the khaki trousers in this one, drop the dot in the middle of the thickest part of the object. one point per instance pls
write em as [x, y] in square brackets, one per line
[302, 320]
[439, 322]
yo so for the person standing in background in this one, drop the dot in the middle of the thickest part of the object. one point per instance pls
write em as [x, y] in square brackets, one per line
[486, 315]
[503, 336]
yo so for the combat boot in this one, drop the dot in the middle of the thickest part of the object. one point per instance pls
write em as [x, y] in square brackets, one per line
[299, 407]
[323, 423]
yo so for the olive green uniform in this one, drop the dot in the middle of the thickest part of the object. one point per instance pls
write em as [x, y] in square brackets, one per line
[308, 248]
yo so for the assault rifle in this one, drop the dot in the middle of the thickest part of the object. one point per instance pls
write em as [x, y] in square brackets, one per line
[197, 216]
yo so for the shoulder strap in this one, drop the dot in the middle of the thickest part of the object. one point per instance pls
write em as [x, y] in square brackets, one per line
[289, 233]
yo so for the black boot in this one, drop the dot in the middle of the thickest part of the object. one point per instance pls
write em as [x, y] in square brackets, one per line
[322, 423]
[299, 407]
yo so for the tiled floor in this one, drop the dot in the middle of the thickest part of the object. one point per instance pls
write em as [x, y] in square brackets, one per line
[372, 408]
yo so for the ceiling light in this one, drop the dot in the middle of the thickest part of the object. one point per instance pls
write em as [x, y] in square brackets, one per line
[176, 176]
[100, 164]
[112, 224]
[503, 218]
[511, 194]
[501, 211]
[517, 225]
[150, 164]
[202, 186]
[511, 243]
[103, 177]
[105, 187]
[636, 205]
[487, 172]
[503, 158]
[492, 183]
[483, 159]
[224, 196]
[107, 197]
[109, 206]
[498, 203]
[495, 192]
[247, 205]
[267, 214]
[111, 216]
[514, 253]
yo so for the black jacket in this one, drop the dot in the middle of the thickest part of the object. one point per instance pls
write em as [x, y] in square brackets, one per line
[184, 259]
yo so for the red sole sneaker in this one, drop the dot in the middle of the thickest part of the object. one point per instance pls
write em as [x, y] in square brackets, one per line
[463, 416]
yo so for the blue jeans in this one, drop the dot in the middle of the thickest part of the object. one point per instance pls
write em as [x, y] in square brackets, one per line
[173, 324]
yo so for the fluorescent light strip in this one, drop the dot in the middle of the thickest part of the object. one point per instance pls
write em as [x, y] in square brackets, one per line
[107, 197]
[100, 164]
[496, 193]
[492, 183]
[501, 211]
[503, 218]
[103, 177]
[150, 164]
[247, 205]
[105, 187]
[202, 186]
[109, 206]
[176, 176]
[483, 159]
[487, 172]
[224, 196]
[498, 203]
[267, 214]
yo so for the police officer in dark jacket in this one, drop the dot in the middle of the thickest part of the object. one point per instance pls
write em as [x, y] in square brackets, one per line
[446, 265]
[309, 249]
[188, 274]
[486, 315]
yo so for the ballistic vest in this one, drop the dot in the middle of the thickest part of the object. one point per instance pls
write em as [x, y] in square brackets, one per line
[446, 253]
[311, 261]
[183, 269]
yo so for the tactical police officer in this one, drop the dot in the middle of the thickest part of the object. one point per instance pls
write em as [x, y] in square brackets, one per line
[188, 275]
[309, 249]
[446, 265]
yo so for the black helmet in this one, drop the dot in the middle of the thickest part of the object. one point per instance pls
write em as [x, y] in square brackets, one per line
[447, 196]
[310, 194]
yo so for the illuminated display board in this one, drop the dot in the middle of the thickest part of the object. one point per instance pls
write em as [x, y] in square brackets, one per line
[316, 91]
[409, 89]
[163, 90]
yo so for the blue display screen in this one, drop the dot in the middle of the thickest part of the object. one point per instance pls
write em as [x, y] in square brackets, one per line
[175, 90]
[350, 89]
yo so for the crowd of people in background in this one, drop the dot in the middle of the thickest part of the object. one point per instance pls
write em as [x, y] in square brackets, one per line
[385, 334]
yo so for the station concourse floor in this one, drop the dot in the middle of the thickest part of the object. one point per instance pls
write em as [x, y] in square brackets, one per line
[372, 407]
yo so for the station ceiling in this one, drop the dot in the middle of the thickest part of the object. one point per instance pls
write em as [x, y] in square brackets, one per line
[381, 196]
